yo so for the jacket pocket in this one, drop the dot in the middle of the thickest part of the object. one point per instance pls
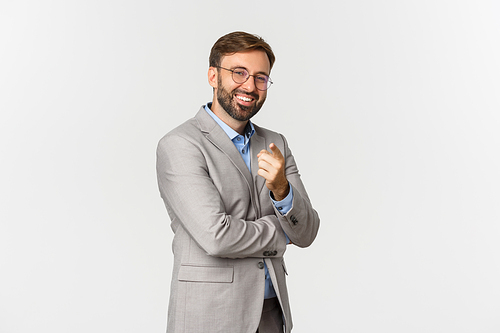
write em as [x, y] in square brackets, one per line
[213, 274]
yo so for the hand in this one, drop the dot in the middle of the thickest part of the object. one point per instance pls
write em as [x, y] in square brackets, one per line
[272, 169]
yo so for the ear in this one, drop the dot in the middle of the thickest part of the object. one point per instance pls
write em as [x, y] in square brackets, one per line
[212, 77]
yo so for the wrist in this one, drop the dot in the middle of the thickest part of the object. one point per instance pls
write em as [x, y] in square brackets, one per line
[282, 193]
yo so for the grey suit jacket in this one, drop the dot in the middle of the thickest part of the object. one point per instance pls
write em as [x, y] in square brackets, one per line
[225, 227]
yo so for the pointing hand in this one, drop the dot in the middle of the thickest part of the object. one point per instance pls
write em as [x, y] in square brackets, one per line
[272, 169]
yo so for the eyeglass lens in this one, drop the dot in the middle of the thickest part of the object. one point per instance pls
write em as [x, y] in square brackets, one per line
[262, 82]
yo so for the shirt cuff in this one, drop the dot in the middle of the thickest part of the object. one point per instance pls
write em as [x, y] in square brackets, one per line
[284, 205]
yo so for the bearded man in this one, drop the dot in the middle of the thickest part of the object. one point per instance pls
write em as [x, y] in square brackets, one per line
[235, 199]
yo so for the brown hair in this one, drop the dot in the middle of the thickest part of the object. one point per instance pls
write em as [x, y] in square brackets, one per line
[238, 41]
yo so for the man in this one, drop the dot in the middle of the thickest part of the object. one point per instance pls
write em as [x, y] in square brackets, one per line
[231, 231]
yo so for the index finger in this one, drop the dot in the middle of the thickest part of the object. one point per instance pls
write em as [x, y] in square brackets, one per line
[276, 151]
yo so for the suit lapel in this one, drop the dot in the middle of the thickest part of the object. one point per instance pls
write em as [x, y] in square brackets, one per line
[256, 145]
[216, 135]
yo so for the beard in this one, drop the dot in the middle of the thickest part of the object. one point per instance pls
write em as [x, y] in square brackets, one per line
[237, 111]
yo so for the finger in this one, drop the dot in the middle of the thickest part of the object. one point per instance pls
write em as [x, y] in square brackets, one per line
[275, 158]
[264, 174]
[265, 165]
[270, 161]
[276, 151]
[262, 152]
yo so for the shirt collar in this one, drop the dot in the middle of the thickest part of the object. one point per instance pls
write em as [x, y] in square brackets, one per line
[231, 133]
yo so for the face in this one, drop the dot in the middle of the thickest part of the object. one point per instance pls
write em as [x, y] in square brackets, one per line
[241, 101]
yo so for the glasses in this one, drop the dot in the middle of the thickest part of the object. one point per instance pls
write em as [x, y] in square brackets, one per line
[241, 75]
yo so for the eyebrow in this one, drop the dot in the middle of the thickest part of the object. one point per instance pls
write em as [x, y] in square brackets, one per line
[234, 67]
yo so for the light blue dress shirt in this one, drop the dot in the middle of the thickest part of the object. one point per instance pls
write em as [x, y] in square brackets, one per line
[242, 143]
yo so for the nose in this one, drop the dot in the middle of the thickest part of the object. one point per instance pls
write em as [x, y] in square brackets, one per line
[249, 85]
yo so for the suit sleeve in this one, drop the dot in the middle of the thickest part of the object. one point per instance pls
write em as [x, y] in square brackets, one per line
[193, 201]
[301, 222]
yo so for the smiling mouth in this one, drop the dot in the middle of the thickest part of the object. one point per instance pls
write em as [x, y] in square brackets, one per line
[244, 98]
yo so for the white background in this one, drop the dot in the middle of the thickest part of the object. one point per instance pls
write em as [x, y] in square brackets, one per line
[391, 109]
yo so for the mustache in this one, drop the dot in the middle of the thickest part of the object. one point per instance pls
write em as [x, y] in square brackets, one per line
[244, 93]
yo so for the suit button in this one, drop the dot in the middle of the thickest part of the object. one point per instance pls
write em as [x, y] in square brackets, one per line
[260, 265]
[266, 253]
[275, 252]
[294, 219]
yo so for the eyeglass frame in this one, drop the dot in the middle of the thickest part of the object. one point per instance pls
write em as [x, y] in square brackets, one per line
[254, 76]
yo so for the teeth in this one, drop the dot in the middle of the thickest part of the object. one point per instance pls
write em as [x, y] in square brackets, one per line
[246, 99]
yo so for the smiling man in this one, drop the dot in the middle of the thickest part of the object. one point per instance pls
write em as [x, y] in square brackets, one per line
[235, 199]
